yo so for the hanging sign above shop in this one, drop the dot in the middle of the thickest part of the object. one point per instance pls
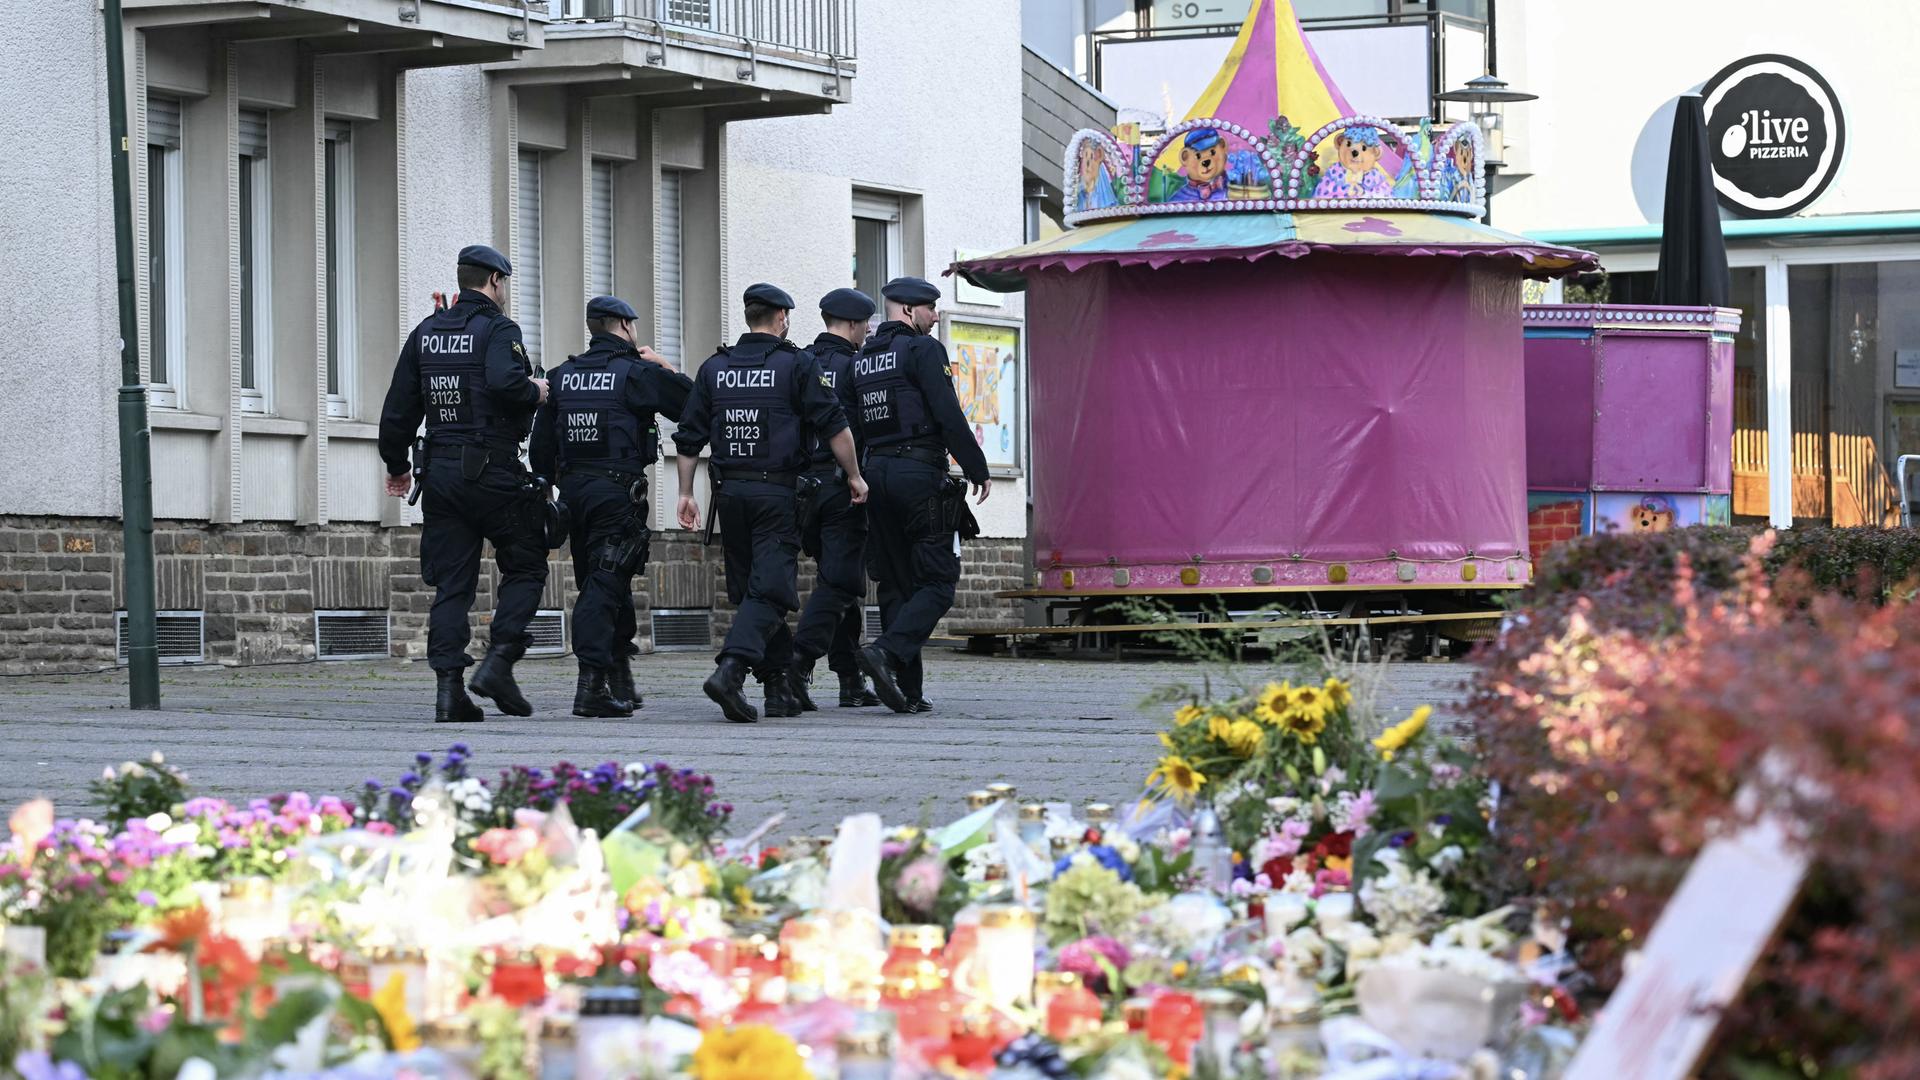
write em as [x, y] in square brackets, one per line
[1776, 132]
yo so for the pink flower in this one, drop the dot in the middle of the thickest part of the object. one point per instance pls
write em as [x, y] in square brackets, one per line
[1083, 958]
[1282, 844]
[525, 818]
[1327, 881]
[381, 828]
[31, 823]
[919, 883]
[505, 846]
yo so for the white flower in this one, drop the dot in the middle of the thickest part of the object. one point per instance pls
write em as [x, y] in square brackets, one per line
[1447, 859]
[107, 774]
[1124, 845]
[133, 769]
[1283, 805]
[1333, 911]
[1306, 949]
[184, 833]
[158, 758]
[1403, 901]
[1298, 882]
[159, 822]
[1284, 912]
[978, 861]
[471, 795]
[1064, 826]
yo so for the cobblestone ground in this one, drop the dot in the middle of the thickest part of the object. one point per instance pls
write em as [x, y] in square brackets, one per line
[1058, 729]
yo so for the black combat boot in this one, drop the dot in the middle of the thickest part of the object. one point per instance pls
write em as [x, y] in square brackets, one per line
[723, 686]
[592, 698]
[780, 699]
[799, 681]
[494, 679]
[853, 691]
[879, 667]
[921, 705]
[451, 705]
[620, 683]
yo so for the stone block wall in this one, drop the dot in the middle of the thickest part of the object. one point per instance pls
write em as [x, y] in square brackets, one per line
[259, 584]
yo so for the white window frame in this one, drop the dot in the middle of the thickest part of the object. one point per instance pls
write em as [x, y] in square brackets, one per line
[670, 296]
[170, 392]
[258, 398]
[1779, 358]
[530, 270]
[888, 208]
[343, 335]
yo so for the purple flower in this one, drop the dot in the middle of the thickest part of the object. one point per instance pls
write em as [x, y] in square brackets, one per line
[1083, 958]
[423, 759]
[145, 898]
[1401, 838]
[35, 1065]
[409, 779]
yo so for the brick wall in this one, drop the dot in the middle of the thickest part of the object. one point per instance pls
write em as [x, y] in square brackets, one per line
[259, 584]
[1552, 523]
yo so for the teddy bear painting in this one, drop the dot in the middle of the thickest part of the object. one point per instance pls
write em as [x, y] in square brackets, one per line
[1355, 172]
[1653, 515]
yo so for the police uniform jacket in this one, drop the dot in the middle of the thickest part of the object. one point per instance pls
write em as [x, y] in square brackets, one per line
[465, 371]
[834, 355]
[905, 390]
[600, 410]
[753, 402]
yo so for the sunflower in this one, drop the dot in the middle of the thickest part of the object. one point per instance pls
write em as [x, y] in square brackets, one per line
[1187, 714]
[1176, 776]
[1243, 737]
[1399, 735]
[1217, 727]
[1303, 724]
[748, 1052]
[390, 1004]
[1309, 699]
[1271, 704]
[1338, 694]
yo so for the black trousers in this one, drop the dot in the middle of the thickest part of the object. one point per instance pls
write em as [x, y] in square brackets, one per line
[600, 513]
[461, 514]
[831, 623]
[761, 541]
[916, 564]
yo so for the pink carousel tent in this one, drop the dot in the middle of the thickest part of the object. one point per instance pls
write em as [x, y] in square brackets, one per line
[1292, 360]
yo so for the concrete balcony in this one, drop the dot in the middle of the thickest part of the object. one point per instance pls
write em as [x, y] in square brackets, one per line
[409, 33]
[747, 58]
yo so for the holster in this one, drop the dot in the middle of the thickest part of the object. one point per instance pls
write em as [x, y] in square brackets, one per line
[626, 556]
[473, 462]
[806, 513]
[713, 502]
[419, 470]
[953, 513]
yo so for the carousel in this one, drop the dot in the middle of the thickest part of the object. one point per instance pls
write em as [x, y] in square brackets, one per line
[1276, 368]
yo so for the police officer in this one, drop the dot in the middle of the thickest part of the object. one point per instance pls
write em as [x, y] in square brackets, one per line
[835, 533]
[910, 420]
[595, 436]
[465, 371]
[754, 403]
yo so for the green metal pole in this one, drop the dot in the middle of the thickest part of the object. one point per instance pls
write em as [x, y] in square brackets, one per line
[136, 461]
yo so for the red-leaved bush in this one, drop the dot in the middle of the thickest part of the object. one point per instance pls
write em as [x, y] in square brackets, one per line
[1619, 731]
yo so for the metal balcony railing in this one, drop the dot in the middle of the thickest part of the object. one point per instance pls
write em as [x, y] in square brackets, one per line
[823, 28]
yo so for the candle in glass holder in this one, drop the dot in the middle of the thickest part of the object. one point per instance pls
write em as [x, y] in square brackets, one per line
[1048, 984]
[1004, 954]
[246, 914]
[518, 980]
[453, 1037]
[1073, 1011]
[607, 1033]
[979, 800]
[854, 956]
[1033, 828]
[1220, 1025]
[803, 941]
[1002, 792]
[1099, 815]
[1134, 1011]
[960, 955]
[913, 966]
[756, 970]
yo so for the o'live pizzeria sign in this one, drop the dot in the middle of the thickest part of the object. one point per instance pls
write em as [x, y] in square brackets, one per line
[1776, 133]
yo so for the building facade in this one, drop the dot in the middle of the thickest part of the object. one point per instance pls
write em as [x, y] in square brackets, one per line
[1824, 243]
[305, 171]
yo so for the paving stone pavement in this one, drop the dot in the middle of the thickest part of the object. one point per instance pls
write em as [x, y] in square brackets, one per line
[1058, 729]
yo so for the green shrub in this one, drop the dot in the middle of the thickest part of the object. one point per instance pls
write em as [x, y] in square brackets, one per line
[1862, 563]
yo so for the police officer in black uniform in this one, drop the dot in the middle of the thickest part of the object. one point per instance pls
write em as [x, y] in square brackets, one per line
[465, 371]
[595, 436]
[755, 403]
[910, 420]
[835, 530]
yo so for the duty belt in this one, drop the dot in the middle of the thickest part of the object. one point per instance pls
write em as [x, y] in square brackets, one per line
[730, 476]
[618, 476]
[924, 454]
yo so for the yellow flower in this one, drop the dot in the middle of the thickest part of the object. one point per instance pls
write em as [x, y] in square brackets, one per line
[391, 1005]
[1304, 724]
[1187, 714]
[1402, 733]
[1308, 699]
[1271, 705]
[1243, 737]
[1343, 864]
[1176, 776]
[1340, 694]
[748, 1052]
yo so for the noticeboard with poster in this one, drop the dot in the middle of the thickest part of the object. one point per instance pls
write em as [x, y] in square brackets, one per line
[985, 356]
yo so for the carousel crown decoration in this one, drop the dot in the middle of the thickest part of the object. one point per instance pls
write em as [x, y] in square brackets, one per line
[1238, 151]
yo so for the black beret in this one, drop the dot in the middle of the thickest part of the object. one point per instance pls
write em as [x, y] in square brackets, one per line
[910, 290]
[769, 294]
[851, 305]
[485, 257]
[609, 307]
